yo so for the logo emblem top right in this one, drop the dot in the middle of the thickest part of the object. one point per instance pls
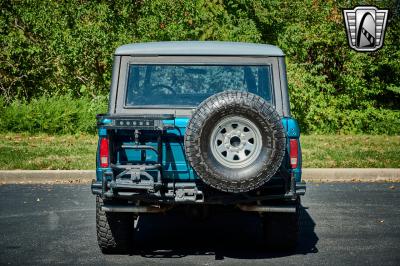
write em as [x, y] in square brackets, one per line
[365, 26]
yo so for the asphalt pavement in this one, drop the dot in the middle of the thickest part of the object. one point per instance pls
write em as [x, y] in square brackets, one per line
[342, 224]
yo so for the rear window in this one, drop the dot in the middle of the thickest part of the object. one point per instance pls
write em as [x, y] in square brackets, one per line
[189, 85]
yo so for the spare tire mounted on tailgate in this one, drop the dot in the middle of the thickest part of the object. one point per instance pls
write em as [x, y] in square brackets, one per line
[235, 141]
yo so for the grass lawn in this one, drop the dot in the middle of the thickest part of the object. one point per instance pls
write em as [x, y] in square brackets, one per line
[351, 151]
[20, 151]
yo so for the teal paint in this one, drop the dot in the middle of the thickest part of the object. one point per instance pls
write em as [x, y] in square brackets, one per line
[175, 166]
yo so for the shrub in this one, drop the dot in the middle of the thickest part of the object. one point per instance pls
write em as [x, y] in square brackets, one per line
[56, 115]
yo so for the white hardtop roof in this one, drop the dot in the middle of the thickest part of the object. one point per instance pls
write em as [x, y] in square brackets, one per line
[199, 48]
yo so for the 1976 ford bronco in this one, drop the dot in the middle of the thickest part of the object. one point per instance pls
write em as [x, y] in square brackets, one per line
[199, 124]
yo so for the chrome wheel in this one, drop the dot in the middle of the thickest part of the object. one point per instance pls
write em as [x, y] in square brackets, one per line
[236, 142]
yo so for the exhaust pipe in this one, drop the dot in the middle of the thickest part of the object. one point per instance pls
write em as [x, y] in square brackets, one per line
[135, 209]
[261, 208]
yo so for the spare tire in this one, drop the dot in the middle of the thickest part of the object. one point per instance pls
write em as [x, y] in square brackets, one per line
[235, 141]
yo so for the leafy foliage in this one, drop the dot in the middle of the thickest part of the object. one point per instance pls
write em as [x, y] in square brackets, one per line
[56, 114]
[57, 48]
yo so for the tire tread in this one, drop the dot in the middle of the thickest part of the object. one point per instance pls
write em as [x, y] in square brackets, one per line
[114, 230]
[219, 103]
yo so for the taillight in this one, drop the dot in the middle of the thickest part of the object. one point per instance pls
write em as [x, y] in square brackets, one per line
[294, 152]
[104, 152]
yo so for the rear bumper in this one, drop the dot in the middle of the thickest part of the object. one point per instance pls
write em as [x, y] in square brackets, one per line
[191, 192]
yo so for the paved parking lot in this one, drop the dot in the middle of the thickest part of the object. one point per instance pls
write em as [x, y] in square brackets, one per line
[342, 223]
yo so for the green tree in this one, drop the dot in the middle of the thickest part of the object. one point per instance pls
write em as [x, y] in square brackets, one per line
[57, 48]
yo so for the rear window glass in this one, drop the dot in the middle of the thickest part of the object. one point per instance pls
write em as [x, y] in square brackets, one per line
[189, 85]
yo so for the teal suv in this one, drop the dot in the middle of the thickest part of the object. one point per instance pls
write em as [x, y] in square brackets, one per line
[200, 124]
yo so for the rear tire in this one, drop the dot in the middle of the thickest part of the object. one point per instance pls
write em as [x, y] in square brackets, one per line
[235, 141]
[114, 230]
[281, 230]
